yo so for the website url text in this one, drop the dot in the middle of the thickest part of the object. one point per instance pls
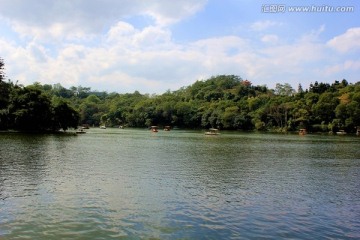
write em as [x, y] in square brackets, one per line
[282, 8]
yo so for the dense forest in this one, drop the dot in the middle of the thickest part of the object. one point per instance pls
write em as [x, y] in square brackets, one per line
[225, 102]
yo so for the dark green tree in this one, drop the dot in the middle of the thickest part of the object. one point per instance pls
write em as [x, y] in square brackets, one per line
[30, 109]
[2, 74]
[5, 89]
[65, 116]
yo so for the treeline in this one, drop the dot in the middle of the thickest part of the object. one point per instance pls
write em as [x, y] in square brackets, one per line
[225, 102]
[33, 109]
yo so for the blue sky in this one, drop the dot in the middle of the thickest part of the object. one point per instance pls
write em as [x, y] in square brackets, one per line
[156, 45]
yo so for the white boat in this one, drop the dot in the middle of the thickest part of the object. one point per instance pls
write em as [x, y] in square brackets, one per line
[341, 132]
[212, 131]
[80, 131]
[102, 127]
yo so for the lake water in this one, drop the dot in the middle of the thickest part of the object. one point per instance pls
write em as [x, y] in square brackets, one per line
[134, 184]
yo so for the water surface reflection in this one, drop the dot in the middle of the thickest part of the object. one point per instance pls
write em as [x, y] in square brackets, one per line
[134, 184]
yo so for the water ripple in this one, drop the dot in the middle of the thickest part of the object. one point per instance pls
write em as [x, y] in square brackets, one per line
[131, 184]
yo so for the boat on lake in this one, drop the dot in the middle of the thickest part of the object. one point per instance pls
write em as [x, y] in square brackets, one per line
[302, 131]
[154, 128]
[212, 131]
[102, 127]
[167, 128]
[341, 132]
[80, 131]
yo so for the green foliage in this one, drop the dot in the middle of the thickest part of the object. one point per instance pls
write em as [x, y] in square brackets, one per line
[2, 74]
[65, 116]
[32, 109]
[224, 101]
[284, 89]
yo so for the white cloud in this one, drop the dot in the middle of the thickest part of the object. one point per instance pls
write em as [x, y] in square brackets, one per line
[153, 36]
[221, 45]
[270, 38]
[293, 55]
[168, 12]
[263, 25]
[313, 35]
[342, 67]
[68, 19]
[123, 82]
[129, 59]
[119, 31]
[96, 47]
[347, 41]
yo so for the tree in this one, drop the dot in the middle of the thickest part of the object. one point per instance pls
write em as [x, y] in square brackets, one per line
[65, 116]
[279, 109]
[5, 89]
[61, 91]
[229, 117]
[284, 89]
[2, 74]
[353, 110]
[319, 87]
[300, 88]
[224, 101]
[324, 109]
[30, 109]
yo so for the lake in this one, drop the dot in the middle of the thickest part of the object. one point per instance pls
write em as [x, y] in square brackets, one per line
[134, 184]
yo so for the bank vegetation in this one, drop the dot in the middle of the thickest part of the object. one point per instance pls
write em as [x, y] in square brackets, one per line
[224, 102]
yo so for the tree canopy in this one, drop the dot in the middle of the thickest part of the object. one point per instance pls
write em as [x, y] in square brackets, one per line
[224, 101]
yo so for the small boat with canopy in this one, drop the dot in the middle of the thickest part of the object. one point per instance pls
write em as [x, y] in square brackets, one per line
[212, 131]
[154, 128]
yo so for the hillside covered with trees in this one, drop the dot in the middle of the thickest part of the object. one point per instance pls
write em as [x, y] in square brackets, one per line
[224, 101]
